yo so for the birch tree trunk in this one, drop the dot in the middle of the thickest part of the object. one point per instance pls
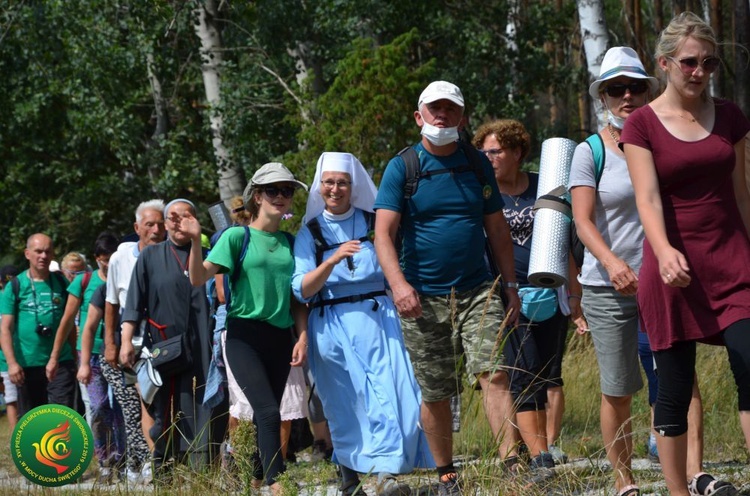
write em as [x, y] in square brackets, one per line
[160, 110]
[231, 178]
[510, 33]
[595, 41]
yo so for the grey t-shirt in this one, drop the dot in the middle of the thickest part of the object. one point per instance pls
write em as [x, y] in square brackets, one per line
[616, 214]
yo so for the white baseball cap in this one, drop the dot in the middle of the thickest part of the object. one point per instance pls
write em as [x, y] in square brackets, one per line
[441, 90]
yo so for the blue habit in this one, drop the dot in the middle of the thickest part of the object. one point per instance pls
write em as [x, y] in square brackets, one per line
[361, 369]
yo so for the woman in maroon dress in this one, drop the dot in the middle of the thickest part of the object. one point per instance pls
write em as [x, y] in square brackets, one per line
[685, 154]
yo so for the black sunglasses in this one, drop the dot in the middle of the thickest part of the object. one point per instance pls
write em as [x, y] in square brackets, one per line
[616, 90]
[273, 191]
[688, 65]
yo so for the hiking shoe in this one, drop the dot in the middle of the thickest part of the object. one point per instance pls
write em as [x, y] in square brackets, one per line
[653, 452]
[353, 489]
[104, 476]
[703, 484]
[227, 457]
[558, 455]
[542, 460]
[449, 485]
[391, 487]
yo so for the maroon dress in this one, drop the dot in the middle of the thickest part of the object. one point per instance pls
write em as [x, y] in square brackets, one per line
[702, 222]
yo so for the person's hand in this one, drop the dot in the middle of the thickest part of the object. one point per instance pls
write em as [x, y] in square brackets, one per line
[51, 369]
[15, 372]
[188, 225]
[299, 354]
[111, 355]
[576, 316]
[347, 249]
[406, 299]
[513, 308]
[127, 353]
[84, 374]
[673, 268]
[623, 278]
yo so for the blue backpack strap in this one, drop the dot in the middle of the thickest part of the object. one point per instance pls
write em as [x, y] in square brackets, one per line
[596, 143]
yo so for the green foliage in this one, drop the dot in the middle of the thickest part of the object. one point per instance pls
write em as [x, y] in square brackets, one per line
[368, 109]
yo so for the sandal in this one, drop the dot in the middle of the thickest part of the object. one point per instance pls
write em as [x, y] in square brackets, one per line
[631, 490]
[703, 484]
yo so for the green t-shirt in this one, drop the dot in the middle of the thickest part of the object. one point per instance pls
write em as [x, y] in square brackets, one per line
[75, 289]
[3, 362]
[263, 288]
[37, 304]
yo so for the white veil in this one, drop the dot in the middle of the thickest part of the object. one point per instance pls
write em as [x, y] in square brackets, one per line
[363, 189]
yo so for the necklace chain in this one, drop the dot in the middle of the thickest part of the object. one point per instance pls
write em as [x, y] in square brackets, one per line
[612, 133]
[689, 119]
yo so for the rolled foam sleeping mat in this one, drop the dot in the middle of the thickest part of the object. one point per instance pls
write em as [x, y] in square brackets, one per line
[550, 241]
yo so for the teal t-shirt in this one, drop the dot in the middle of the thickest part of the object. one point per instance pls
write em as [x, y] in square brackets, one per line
[263, 288]
[442, 224]
[75, 289]
[40, 303]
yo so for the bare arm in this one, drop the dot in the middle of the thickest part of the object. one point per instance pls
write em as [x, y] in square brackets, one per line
[498, 235]
[127, 351]
[7, 323]
[405, 297]
[66, 325]
[622, 276]
[673, 266]
[88, 330]
[219, 281]
[299, 312]
[111, 319]
[313, 281]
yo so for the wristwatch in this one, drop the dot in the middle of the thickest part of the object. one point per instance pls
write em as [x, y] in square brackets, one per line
[511, 285]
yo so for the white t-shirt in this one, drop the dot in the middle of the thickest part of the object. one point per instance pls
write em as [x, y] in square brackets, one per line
[121, 265]
[616, 214]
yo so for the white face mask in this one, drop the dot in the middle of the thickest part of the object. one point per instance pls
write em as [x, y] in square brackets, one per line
[439, 136]
[616, 122]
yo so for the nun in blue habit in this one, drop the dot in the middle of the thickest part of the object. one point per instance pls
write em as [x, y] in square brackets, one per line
[361, 369]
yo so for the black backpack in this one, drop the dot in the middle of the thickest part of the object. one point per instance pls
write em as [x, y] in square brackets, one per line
[413, 174]
[322, 246]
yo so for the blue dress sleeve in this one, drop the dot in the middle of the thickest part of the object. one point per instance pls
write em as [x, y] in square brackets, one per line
[304, 261]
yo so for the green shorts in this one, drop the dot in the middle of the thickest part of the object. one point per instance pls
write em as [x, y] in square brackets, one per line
[455, 332]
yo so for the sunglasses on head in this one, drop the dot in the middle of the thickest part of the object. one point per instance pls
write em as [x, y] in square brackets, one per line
[273, 191]
[616, 90]
[688, 65]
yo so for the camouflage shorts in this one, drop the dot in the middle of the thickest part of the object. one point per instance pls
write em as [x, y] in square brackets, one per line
[454, 331]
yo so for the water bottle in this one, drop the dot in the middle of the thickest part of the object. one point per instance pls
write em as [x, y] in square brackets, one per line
[456, 412]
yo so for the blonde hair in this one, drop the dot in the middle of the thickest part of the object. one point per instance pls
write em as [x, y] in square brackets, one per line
[684, 26]
[71, 258]
[238, 212]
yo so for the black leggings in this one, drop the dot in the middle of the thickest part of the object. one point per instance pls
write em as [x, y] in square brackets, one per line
[676, 367]
[259, 354]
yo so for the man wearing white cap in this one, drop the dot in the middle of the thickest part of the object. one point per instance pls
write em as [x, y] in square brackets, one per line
[443, 219]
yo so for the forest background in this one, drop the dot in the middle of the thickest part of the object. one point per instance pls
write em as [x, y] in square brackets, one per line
[106, 103]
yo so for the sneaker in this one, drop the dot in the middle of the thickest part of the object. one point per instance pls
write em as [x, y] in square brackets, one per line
[104, 476]
[389, 486]
[449, 485]
[146, 473]
[653, 452]
[353, 489]
[703, 484]
[543, 460]
[227, 457]
[320, 451]
[133, 476]
[558, 455]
